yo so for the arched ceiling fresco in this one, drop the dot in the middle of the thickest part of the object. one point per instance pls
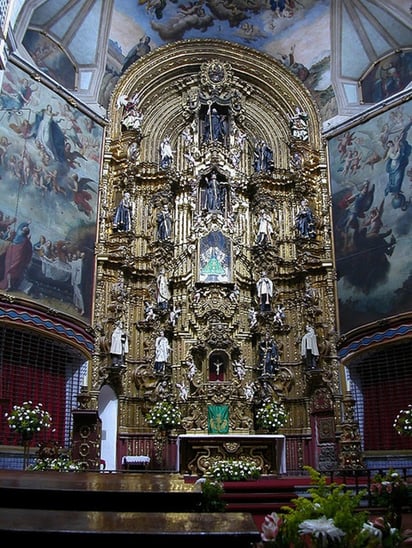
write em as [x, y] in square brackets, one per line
[329, 44]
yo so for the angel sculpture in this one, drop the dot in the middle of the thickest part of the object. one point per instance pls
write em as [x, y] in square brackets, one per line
[279, 315]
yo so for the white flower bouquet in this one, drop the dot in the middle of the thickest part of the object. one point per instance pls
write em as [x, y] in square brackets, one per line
[233, 470]
[272, 416]
[28, 418]
[403, 422]
[164, 415]
[62, 463]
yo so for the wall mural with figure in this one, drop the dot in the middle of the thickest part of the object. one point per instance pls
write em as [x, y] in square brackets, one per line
[49, 172]
[371, 177]
[260, 24]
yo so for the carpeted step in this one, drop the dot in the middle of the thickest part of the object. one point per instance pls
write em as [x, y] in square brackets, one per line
[265, 484]
[256, 497]
[256, 508]
[261, 497]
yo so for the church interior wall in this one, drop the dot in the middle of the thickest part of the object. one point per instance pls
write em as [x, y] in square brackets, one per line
[368, 308]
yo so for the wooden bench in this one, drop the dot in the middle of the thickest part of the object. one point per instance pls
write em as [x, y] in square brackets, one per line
[231, 529]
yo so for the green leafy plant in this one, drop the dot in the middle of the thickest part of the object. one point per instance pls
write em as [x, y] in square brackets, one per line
[271, 416]
[329, 516]
[212, 492]
[28, 418]
[164, 415]
[233, 470]
[403, 422]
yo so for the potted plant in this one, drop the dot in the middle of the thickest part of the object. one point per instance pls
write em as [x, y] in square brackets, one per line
[163, 417]
[27, 419]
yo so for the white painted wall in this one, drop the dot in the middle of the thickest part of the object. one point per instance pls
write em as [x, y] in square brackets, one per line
[108, 410]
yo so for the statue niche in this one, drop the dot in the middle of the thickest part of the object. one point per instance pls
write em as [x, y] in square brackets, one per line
[218, 365]
[215, 258]
[214, 124]
[214, 194]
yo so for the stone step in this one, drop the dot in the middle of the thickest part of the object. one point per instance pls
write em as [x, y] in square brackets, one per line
[233, 529]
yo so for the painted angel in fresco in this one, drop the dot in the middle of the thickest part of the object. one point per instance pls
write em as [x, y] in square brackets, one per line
[138, 51]
[81, 196]
[398, 151]
[363, 242]
[355, 206]
[17, 94]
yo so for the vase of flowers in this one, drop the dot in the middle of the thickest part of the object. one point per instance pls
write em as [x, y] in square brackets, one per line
[403, 421]
[271, 416]
[163, 417]
[27, 419]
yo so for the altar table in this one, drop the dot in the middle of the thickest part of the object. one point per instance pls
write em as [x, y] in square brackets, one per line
[195, 452]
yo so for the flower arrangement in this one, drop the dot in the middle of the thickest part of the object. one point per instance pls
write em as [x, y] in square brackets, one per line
[271, 416]
[233, 470]
[28, 418]
[329, 516]
[403, 422]
[389, 491]
[164, 415]
[62, 463]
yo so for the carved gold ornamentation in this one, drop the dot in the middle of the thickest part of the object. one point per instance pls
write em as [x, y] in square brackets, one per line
[256, 100]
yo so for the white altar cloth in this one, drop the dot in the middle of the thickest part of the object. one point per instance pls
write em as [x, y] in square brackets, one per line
[135, 459]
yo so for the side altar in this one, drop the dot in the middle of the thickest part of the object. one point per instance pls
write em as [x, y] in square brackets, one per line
[196, 452]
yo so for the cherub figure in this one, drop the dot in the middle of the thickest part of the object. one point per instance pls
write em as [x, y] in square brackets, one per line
[252, 318]
[149, 312]
[183, 391]
[174, 315]
[192, 369]
[249, 392]
[240, 368]
[279, 315]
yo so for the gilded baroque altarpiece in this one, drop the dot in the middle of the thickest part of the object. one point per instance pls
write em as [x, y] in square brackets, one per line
[215, 166]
